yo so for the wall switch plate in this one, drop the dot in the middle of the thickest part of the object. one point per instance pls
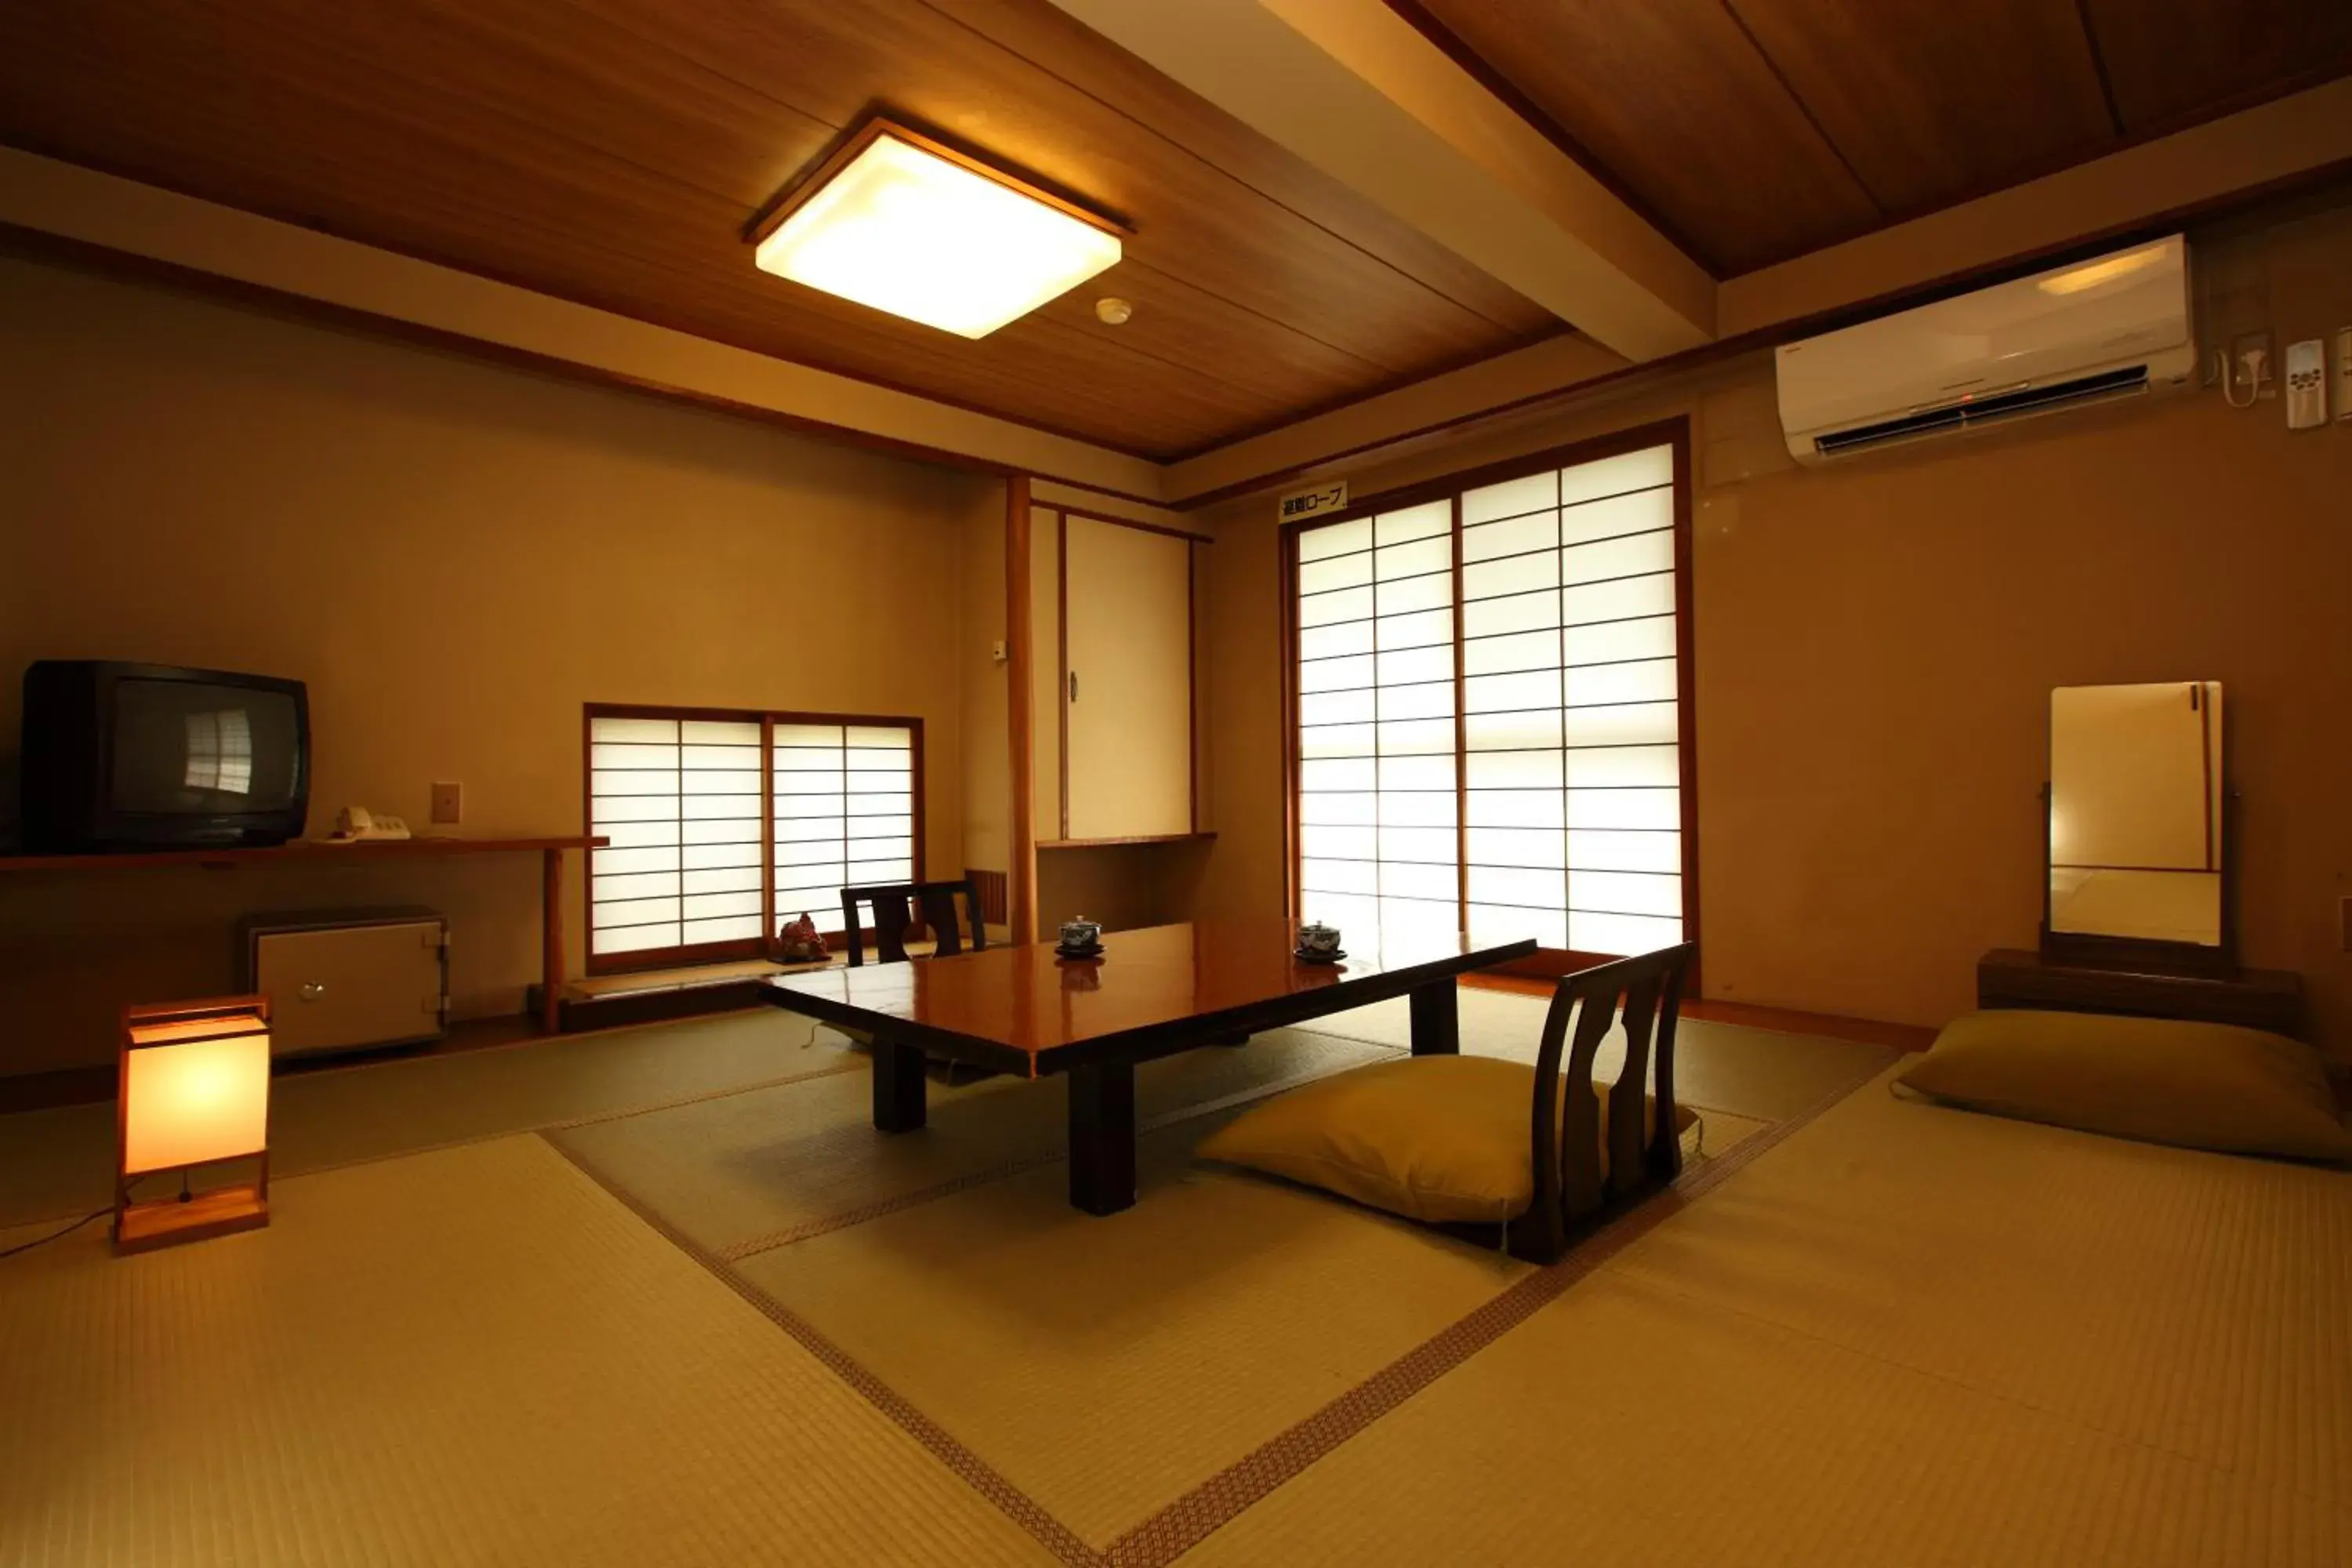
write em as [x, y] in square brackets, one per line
[448, 802]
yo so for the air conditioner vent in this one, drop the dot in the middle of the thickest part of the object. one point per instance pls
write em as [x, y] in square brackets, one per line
[2130, 381]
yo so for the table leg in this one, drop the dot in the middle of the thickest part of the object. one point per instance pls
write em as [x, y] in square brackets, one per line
[898, 1086]
[1437, 1028]
[1102, 1136]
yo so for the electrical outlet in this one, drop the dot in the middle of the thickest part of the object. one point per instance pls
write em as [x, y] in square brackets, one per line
[2255, 370]
[448, 802]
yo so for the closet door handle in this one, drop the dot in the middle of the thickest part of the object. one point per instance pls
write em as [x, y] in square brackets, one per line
[1074, 686]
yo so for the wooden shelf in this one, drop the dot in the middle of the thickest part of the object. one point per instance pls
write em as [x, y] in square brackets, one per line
[316, 852]
[297, 849]
[1109, 843]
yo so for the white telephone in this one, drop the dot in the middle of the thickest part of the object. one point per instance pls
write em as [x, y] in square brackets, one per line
[357, 825]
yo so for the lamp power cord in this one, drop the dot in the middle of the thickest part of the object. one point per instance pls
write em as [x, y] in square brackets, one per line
[56, 1234]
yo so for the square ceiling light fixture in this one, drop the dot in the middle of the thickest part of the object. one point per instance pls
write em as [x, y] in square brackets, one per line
[896, 221]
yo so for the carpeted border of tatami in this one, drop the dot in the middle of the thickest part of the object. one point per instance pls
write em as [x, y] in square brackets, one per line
[1185, 1522]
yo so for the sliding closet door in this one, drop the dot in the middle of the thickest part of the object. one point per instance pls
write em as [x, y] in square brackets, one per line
[1128, 697]
[1377, 785]
[1571, 720]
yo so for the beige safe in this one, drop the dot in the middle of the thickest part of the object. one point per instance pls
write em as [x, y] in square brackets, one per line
[346, 980]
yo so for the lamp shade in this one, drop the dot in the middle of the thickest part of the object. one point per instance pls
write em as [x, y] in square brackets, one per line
[899, 223]
[194, 1092]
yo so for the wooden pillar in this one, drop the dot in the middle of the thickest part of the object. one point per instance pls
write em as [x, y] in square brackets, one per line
[1021, 889]
[551, 947]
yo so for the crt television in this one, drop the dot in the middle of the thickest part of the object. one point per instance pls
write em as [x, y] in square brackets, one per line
[120, 756]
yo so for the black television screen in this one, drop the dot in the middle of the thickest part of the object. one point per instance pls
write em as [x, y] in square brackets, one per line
[184, 747]
[119, 756]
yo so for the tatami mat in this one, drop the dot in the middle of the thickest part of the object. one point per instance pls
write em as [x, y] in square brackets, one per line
[473, 1355]
[467, 1357]
[1908, 1336]
[1179, 1335]
[1107, 1365]
[1759, 1073]
[62, 1162]
[752, 1169]
[1627, 1426]
[2199, 1303]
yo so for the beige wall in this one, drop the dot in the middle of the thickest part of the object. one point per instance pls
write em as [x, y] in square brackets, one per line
[455, 557]
[1875, 644]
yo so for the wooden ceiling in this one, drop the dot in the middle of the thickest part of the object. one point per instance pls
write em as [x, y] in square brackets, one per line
[1753, 131]
[611, 151]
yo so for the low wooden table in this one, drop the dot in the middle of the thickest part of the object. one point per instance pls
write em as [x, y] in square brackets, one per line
[1154, 992]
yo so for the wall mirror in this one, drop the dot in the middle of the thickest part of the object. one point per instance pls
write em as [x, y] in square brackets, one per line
[2136, 815]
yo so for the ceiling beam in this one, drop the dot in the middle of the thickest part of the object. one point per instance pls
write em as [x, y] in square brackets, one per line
[1438, 403]
[2176, 178]
[239, 252]
[2188, 177]
[1354, 90]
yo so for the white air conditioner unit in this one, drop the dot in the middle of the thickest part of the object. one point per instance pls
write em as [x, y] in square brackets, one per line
[2114, 327]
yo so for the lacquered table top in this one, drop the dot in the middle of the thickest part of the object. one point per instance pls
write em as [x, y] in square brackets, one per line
[1025, 998]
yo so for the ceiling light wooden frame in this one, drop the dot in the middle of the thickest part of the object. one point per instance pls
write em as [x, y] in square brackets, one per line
[807, 184]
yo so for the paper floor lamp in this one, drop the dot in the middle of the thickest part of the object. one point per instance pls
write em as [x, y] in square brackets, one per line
[195, 1090]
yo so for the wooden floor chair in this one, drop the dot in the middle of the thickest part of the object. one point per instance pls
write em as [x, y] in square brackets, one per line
[894, 906]
[1645, 1145]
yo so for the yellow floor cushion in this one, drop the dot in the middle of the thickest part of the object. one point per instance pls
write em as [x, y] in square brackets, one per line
[1431, 1138]
[2159, 1081]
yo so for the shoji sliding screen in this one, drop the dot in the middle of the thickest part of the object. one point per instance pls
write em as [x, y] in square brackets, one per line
[1377, 787]
[845, 802]
[1571, 726]
[723, 823]
[1560, 745]
[679, 798]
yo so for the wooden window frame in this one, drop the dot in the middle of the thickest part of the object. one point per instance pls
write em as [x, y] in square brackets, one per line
[1672, 433]
[763, 945]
